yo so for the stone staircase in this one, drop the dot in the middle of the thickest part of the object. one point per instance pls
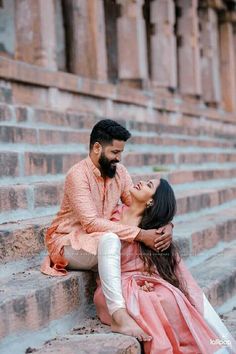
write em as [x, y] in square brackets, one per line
[37, 146]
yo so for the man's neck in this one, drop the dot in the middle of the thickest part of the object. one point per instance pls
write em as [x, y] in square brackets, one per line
[94, 161]
[96, 164]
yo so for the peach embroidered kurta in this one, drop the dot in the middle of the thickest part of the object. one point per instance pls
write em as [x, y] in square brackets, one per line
[84, 215]
[176, 325]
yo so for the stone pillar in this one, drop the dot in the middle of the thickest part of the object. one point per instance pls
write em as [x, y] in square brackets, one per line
[188, 48]
[210, 56]
[110, 8]
[35, 32]
[234, 36]
[132, 42]
[163, 44]
[227, 63]
[85, 37]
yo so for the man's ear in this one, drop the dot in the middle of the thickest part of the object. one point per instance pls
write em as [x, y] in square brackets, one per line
[97, 148]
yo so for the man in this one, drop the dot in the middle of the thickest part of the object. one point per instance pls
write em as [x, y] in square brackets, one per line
[93, 188]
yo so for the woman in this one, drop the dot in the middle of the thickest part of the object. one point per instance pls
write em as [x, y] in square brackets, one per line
[160, 292]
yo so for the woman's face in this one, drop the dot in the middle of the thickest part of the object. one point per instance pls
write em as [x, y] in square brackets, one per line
[143, 191]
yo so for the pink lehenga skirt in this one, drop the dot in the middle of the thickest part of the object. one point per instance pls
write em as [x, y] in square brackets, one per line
[177, 324]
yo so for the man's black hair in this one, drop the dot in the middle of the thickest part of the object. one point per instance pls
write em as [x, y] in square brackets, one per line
[106, 130]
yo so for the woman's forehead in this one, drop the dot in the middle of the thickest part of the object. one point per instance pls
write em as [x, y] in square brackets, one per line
[155, 182]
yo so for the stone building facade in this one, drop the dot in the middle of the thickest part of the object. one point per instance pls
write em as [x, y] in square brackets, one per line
[181, 47]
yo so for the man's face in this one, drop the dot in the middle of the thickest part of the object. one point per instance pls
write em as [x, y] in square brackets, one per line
[110, 156]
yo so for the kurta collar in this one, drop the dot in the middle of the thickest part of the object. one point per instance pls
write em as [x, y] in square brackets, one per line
[96, 171]
[93, 167]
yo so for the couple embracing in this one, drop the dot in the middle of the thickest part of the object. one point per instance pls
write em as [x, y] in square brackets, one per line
[124, 232]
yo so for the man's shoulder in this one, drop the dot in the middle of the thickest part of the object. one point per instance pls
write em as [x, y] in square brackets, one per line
[78, 168]
[121, 169]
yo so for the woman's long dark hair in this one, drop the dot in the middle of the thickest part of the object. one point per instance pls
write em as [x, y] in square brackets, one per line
[160, 214]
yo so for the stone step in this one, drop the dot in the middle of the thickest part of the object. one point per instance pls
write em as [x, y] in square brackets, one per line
[86, 119]
[194, 232]
[217, 275]
[19, 202]
[93, 326]
[31, 134]
[109, 343]
[19, 240]
[17, 163]
[227, 312]
[30, 302]
[205, 232]
[181, 176]
[32, 195]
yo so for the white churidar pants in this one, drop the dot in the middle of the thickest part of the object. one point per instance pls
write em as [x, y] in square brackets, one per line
[108, 262]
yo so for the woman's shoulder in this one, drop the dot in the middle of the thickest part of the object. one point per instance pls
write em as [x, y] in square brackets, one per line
[116, 214]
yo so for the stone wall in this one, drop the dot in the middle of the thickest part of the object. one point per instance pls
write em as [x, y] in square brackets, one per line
[181, 47]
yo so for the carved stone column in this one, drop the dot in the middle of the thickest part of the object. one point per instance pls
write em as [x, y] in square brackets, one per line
[188, 48]
[132, 46]
[35, 32]
[227, 62]
[210, 55]
[163, 44]
[85, 37]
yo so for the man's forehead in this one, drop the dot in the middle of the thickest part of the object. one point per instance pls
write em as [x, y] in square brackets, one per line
[117, 144]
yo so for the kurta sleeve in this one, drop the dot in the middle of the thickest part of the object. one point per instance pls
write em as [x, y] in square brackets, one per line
[127, 184]
[80, 197]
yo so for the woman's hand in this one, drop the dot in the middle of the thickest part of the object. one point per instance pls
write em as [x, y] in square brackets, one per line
[164, 241]
[147, 286]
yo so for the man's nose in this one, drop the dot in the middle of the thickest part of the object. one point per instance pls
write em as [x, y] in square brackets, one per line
[118, 158]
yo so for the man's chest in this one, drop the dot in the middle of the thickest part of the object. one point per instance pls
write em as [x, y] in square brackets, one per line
[106, 196]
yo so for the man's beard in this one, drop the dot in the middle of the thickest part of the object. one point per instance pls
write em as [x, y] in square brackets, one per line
[106, 166]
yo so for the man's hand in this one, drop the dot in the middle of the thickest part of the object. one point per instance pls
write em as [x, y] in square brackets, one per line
[151, 239]
[148, 237]
[164, 241]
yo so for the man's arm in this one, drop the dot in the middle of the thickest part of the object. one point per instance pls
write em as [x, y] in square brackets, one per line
[127, 184]
[81, 199]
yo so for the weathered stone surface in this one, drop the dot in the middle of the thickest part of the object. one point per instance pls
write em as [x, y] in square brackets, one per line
[30, 300]
[132, 58]
[27, 75]
[163, 44]
[23, 239]
[43, 163]
[9, 164]
[203, 198]
[211, 276]
[93, 343]
[13, 197]
[35, 32]
[17, 135]
[85, 31]
[6, 114]
[188, 48]
[227, 65]
[210, 59]
[229, 319]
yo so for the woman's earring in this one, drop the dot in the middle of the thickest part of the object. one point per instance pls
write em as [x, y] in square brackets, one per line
[148, 205]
